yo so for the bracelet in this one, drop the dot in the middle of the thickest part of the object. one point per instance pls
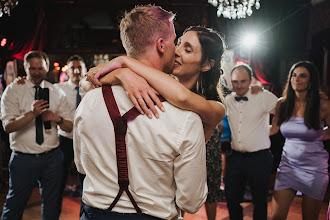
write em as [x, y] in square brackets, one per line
[60, 121]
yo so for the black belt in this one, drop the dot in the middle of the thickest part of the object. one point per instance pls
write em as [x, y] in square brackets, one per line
[37, 155]
[250, 154]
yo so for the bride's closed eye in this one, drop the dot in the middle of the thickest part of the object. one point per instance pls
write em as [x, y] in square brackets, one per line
[188, 50]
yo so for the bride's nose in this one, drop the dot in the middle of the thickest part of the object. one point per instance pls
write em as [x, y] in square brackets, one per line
[177, 52]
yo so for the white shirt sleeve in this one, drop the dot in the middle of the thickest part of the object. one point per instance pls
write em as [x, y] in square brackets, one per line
[190, 167]
[77, 143]
[269, 101]
[10, 104]
[64, 108]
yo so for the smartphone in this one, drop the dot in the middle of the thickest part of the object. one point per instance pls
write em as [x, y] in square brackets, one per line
[43, 93]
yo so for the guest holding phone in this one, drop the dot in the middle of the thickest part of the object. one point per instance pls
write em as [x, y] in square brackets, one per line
[35, 153]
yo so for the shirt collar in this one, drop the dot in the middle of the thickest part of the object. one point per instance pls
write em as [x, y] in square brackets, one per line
[32, 85]
[71, 84]
[247, 94]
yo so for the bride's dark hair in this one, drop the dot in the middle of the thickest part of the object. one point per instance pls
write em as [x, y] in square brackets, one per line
[213, 47]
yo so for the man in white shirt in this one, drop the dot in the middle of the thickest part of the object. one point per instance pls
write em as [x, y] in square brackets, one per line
[76, 71]
[250, 160]
[35, 156]
[165, 156]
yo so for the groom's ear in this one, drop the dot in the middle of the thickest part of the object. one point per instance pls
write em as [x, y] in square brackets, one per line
[160, 45]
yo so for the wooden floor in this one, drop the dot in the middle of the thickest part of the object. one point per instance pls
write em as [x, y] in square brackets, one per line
[71, 206]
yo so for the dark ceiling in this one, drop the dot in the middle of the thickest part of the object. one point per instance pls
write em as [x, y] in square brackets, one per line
[73, 24]
[86, 25]
[93, 24]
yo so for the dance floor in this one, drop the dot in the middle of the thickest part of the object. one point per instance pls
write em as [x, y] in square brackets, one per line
[71, 206]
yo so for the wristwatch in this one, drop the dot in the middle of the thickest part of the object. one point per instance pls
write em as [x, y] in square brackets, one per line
[60, 121]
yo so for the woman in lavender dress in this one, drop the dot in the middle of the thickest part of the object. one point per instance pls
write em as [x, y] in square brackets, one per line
[301, 116]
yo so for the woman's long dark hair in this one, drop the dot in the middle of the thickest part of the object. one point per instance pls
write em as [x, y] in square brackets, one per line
[312, 110]
[213, 47]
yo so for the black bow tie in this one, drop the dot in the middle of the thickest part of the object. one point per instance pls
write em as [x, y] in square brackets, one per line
[238, 98]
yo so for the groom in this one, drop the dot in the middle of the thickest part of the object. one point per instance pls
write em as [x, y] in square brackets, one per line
[165, 156]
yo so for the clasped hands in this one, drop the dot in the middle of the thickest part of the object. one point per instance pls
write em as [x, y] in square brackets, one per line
[142, 95]
[39, 107]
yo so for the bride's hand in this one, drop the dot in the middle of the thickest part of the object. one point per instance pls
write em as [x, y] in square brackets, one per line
[86, 85]
[140, 92]
[95, 73]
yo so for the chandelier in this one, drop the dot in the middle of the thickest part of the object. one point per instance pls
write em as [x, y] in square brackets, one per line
[233, 9]
[6, 6]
